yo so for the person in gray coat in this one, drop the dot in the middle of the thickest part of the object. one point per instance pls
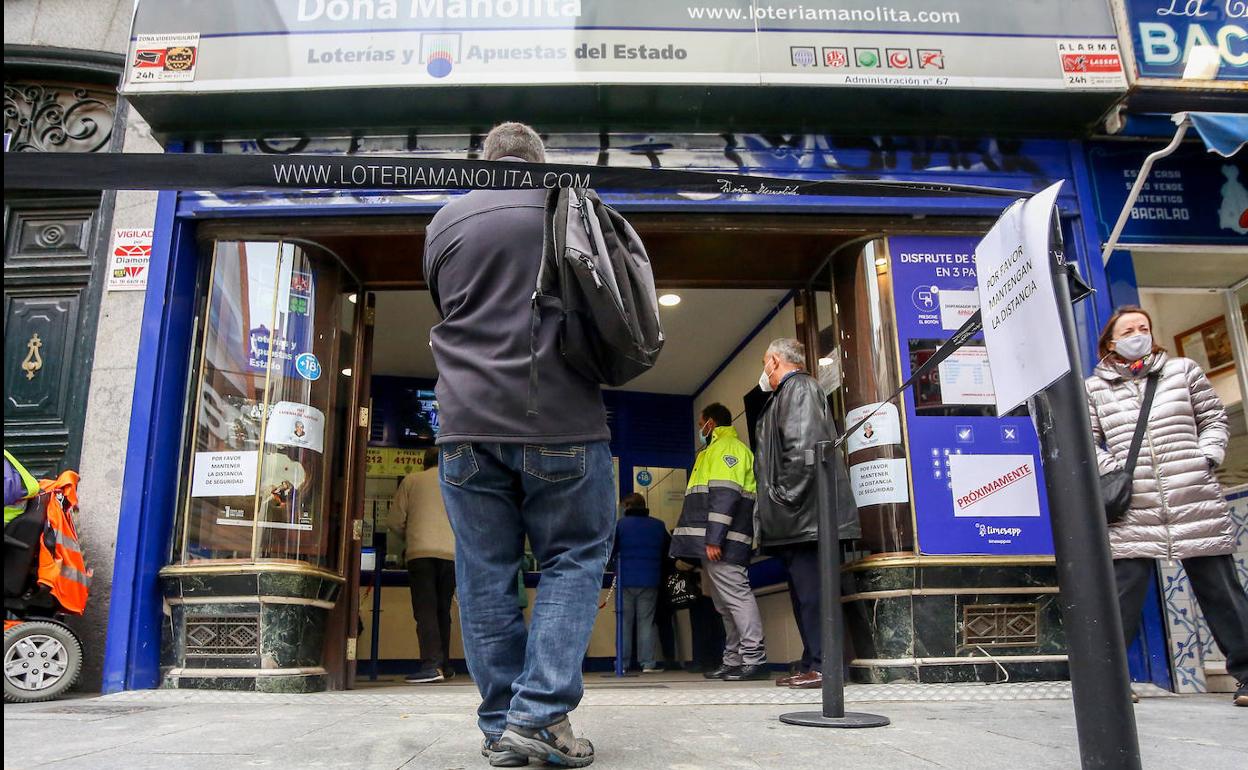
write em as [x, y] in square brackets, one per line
[1177, 508]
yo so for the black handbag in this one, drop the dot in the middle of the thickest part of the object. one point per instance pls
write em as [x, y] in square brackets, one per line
[683, 589]
[1116, 485]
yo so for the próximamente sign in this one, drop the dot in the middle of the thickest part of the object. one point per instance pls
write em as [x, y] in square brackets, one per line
[185, 46]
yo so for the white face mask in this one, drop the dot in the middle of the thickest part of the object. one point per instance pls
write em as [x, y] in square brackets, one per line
[1135, 347]
[704, 435]
[764, 382]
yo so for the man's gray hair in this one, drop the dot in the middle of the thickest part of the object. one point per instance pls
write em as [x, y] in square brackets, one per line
[514, 140]
[788, 349]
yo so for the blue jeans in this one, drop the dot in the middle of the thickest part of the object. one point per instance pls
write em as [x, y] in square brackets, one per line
[639, 604]
[562, 497]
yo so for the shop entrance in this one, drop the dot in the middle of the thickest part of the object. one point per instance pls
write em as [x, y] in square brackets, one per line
[741, 279]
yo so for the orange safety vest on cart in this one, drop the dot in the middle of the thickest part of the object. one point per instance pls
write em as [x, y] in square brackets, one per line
[61, 565]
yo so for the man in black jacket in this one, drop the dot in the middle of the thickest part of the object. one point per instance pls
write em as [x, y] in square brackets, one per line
[508, 472]
[793, 421]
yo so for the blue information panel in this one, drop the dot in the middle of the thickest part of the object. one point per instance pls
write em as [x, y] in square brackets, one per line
[1192, 196]
[1163, 33]
[977, 481]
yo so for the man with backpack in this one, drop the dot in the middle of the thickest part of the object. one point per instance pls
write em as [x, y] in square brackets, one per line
[524, 444]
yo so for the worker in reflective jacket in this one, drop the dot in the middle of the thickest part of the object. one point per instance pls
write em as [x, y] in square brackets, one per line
[19, 486]
[716, 528]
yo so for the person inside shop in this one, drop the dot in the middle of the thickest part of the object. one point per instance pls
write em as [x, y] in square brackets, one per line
[641, 545]
[716, 527]
[511, 468]
[794, 419]
[1177, 509]
[418, 520]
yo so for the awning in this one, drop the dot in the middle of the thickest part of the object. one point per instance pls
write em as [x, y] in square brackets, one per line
[1222, 132]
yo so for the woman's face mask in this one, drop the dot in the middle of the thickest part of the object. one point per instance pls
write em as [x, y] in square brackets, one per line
[1134, 347]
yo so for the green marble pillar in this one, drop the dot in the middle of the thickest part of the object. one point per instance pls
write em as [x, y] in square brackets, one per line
[916, 623]
[246, 629]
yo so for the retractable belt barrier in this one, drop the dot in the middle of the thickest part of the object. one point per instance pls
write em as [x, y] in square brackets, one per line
[173, 171]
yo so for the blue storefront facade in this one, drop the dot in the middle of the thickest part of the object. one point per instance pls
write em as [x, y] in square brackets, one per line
[928, 593]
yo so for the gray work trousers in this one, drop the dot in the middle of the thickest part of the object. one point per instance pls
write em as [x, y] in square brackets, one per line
[743, 625]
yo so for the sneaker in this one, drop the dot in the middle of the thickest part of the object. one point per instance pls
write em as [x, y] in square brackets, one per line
[554, 744]
[500, 757]
[1241, 695]
[652, 669]
[749, 673]
[448, 673]
[424, 676]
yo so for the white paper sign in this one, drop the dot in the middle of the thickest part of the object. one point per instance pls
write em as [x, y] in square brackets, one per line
[1022, 330]
[883, 428]
[130, 258]
[965, 377]
[956, 307]
[224, 474]
[294, 424]
[879, 481]
[994, 485]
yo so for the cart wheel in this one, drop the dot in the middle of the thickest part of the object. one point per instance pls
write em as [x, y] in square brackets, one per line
[42, 660]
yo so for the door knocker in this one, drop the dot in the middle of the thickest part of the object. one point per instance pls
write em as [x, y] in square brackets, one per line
[33, 361]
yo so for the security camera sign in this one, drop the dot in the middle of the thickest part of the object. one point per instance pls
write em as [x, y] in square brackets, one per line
[129, 259]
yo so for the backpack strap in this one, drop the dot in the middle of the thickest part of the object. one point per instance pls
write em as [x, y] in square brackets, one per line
[552, 238]
[1133, 455]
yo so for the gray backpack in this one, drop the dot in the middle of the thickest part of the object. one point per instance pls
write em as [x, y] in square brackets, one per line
[595, 274]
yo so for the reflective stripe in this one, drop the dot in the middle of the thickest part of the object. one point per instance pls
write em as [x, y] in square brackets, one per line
[720, 518]
[689, 532]
[700, 489]
[740, 538]
[69, 573]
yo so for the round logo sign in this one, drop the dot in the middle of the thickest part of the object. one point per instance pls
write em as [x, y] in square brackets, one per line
[644, 478]
[307, 366]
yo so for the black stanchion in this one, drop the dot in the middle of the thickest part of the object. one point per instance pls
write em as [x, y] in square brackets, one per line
[1104, 718]
[833, 625]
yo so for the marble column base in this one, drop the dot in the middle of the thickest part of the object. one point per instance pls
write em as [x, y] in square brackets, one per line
[250, 630]
[954, 624]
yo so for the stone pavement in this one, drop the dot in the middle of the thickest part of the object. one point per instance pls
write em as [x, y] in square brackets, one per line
[635, 723]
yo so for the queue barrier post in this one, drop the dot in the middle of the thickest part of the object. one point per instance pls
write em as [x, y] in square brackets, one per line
[832, 627]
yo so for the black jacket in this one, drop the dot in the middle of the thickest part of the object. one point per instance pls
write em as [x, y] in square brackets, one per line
[792, 422]
[482, 252]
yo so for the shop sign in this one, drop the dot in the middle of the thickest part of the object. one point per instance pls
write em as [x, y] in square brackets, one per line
[392, 461]
[287, 45]
[1190, 197]
[1163, 33]
[951, 414]
[129, 259]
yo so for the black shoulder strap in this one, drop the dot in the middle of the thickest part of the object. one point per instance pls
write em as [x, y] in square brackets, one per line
[552, 240]
[1141, 424]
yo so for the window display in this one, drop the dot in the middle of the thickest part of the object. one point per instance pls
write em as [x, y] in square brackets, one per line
[266, 445]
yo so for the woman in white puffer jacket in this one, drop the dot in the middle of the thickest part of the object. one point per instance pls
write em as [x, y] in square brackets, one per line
[1177, 508]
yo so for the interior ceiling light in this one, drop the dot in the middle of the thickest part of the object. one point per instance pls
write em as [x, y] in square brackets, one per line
[346, 372]
[669, 300]
[351, 298]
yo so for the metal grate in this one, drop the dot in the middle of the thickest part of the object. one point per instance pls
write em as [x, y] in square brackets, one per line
[1000, 625]
[222, 635]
